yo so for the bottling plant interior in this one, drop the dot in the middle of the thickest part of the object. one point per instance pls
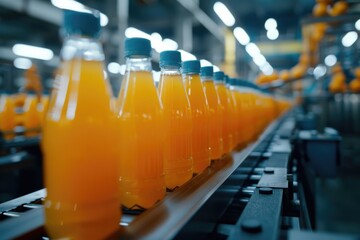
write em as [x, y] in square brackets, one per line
[183, 119]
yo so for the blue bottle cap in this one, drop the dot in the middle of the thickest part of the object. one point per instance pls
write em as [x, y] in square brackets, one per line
[192, 66]
[137, 47]
[227, 79]
[232, 81]
[82, 23]
[170, 58]
[207, 71]
[219, 76]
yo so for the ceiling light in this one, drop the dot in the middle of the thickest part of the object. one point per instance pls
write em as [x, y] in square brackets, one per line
[252, 49]
[357, 25]
[22, 63]
[319, 71]
[216, 68]
[78, 7]
[205, 63]
[224, 14]
[170, 44]
[270, 24]
[241, 36]
[32, 52]
[330, 60]
[133, 32]
[186, 56]
[272, 34]
[259, 60]
[113, 67]
[349, 39]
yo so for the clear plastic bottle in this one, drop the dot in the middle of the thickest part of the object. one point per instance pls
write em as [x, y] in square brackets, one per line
[225, 104]
[140, 128]
[215, 113]
[80, 164]
[178, 163]
[200, 115]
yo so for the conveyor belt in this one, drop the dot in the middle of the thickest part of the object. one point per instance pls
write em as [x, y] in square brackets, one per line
[169, 216]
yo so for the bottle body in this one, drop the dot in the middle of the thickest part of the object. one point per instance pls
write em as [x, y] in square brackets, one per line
[215, 120]
[31, 116]
[232, 120]
[80, 162]
[140, 122]
[7, 116]
[178, 162]
[226, 127]
[200, 130]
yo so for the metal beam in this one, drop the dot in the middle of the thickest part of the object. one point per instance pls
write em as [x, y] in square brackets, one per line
[203, 18]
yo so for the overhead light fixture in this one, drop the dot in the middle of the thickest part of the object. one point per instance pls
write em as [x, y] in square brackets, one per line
[357, 25]
[205, 63]
[267, 69]
[272, 34]
[241, 36]
[349, 39]
[113, 68]
[252, 49]
[270, 24]
[29, 51]
[22, 63]
[319, 71]
[170, 44]
[78, 7]
[186, 56]
[330, 60]
[216, 68]
[224, 14]
[132, 32]
[259, 60]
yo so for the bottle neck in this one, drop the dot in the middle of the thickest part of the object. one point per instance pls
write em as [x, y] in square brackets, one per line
[170, 70]
[141, 63]
[78, 47]
[206, 78]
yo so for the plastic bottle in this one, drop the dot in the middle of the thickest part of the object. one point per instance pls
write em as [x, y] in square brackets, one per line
[178, 163]
[141, 130]
[79, 151]
[200, 115]
[215, 113]
[225, 103]
[31, 118]
[233, 111]
[7, 116]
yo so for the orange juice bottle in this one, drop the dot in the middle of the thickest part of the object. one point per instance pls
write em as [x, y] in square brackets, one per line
[141, 127]
[178, 163]
[233, 111]
[78, 140]
[7, 116]
[215, 113]
[31, 119]
[42, 108]
[200, 115]
[225, 103]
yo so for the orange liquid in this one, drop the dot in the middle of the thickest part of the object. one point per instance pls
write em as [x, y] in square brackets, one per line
[232, 120]
[226, 124]
[31, 117]
[178, 163]
[7, 116]
[215, 120]
[80, 156]
[44, 104]
[200, 117]
[140, 149]
[239, 123]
